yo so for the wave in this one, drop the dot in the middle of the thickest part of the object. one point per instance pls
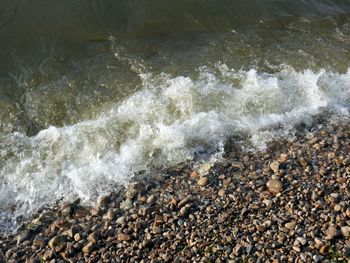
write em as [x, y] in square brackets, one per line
[167, 121]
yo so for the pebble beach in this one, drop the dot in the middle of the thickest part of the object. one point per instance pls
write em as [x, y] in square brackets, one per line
[288, 203]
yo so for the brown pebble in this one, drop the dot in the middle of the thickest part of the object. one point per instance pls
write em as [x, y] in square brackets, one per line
[331, 232]
[324, 250]
[93, 237]
[290, 225]
[221, 193]
[345, 231]
[123, 237]
[194, 175]
[77, 237]
[88, 248]
[275, 186]
[203, 181]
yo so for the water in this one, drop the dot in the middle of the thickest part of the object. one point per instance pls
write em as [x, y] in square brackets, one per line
[92, 92]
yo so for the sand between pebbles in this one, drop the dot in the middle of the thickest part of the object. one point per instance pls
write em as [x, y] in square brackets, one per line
[289, 203]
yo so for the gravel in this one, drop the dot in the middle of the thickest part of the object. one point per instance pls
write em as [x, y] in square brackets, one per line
[289, 203]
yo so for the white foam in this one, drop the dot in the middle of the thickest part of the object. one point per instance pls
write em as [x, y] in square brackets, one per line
[166, 122]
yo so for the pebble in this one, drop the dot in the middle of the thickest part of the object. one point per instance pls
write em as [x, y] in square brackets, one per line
[57, 241]
[203, 181]
[345, 231]
[93, 237]
[123, 237]
[88, 247]
[283, 158]
[26, 234]
[194, 175]
[121, 220]
[331, 232]
[290, 225]
[275, 165]
[275, 186]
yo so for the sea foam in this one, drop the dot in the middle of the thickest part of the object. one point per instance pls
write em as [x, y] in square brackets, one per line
[169, 120]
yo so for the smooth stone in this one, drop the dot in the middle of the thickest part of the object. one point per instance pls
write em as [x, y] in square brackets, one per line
[290, 225]
[345, 231]
[123, 237]
[203, 181]
[194, 175]
[275, 186]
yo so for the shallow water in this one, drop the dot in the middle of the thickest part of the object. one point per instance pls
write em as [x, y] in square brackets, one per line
[93, 91]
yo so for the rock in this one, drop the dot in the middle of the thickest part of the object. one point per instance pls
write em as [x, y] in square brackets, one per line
[296, 248]
[88, 247]
[194, 175]
[126, 204]
[275, 186]
[331, 232]
[147, 243]
[221, 193]
[324, 250]
[133, 190]
[205, 167]
[184, 201]
[302, 240]
[93, 237]
[81, 212]
[151, 199]
[121, 220]
[283, 158]
[24, 235]
[110, 214]
[77, 237]
[337, 208]
[184, 210]
[57, 241]
[290, 225]
[39, 241]
[71, 232]
[347, 212]
[156, 230]
[274, 166]
[345, 231]
[123, 237]
[346, 251]
[48, 255]
[203, 181]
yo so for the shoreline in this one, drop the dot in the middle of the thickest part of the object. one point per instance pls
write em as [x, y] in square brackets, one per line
[290, 202]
